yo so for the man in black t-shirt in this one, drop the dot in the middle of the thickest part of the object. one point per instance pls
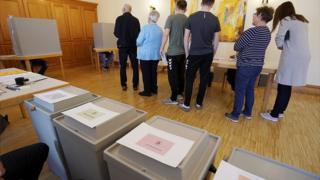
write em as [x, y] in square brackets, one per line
[204, 29]
[127, 29]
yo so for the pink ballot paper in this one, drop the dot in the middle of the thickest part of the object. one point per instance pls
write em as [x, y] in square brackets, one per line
[157, 144]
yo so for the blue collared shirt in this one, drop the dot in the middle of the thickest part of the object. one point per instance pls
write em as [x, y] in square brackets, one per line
[149, 42]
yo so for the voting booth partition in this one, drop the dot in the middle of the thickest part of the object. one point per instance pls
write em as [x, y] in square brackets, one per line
[42, 113]
[83, 146]
[125, 163]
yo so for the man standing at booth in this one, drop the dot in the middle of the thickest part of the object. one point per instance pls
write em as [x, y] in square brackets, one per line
[127, 29]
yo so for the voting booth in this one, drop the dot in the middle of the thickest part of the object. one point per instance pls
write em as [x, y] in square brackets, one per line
[162, 149]
[103, 35]
[87, 130]
[48, 105]
[267, 168]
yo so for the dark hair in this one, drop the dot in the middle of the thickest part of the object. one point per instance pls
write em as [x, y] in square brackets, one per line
[182, 4]
[207, 2]
[284, 10]
[266, 13]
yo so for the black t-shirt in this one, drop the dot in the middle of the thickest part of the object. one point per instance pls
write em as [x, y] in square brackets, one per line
[202, 25]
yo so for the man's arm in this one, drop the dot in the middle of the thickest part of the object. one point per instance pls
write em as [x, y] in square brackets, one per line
[164, 39]
[2, 170]
[117, 28]
[215, 42]
[186, 41]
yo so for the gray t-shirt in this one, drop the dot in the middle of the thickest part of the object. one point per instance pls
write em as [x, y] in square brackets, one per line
[202, 25]
[176, 23]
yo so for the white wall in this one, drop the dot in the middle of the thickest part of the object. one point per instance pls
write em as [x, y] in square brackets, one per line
[108, 10]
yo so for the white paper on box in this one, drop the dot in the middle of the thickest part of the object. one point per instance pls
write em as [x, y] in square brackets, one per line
[230, 172]
[157, 144]
[54, 96]
[90, 114]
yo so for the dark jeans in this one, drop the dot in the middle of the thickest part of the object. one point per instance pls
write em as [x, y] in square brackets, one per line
[244, 89]
[282, 100]
[38, 62]
[25, 163]
[195, 62]
[149, 76]
[123, 56]
[176, 71]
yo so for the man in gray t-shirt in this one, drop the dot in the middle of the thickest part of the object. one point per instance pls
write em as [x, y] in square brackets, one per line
[201, 41]
[174, 30]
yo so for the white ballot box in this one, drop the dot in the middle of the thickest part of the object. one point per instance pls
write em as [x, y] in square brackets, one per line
[87, 130]
[48, 105]
[162, 149]
[267, 168]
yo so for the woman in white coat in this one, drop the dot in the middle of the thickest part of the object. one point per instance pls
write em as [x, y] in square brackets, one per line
[292, 39]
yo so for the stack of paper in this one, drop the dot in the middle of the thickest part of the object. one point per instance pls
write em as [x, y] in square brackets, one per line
[157, 144]
[226, 171]
[54, 96]
[90, 114]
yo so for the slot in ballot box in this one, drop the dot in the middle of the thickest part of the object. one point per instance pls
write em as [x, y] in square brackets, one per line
[42, 113]
[125, 163]
[267, 168]
[83, 145]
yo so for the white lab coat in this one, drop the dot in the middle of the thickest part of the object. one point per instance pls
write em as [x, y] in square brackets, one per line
[295, 56]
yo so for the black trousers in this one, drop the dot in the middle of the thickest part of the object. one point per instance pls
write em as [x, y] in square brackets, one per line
[195, 62]
[176, 72]
[38, 62]
[123, 56]
[149, 75]
[282, 100]
[25, 163]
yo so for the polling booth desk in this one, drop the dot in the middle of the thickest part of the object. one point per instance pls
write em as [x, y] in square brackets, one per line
[125, 162]
[87, 130]
[267, 168]
[48, 105]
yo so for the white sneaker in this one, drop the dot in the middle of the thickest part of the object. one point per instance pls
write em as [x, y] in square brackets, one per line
[169, 101]
[184, 107]
[281, 115]
[245, 116]
[267, 116]
[198, 106]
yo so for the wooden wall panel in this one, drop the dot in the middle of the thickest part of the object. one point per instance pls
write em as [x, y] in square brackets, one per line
[37, 8]
[76, 23]
[8, 8]
[60, 13]
[90, 17]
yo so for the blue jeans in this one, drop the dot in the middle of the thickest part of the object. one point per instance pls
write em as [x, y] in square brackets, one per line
[245, 79]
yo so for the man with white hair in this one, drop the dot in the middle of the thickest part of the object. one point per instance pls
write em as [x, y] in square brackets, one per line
[127, 29]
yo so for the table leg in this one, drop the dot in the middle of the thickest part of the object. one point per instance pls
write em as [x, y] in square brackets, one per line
[62, 68]
[23, 111]
[28, 65]
[2, 65]
[267, 92]
[98, 62]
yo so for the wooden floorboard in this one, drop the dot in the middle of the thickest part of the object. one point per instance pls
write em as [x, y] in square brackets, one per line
[294, 140]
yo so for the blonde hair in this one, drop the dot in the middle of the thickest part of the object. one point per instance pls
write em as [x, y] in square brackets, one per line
[154, 16]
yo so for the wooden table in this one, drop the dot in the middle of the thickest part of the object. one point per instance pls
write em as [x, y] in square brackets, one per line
[28, 58]
[269, 68]
[13, 98]
[100, 50]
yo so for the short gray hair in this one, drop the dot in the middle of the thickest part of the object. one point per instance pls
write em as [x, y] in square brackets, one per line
[154, 16]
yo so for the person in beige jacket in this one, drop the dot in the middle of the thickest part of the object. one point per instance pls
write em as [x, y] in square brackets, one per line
[292, 39]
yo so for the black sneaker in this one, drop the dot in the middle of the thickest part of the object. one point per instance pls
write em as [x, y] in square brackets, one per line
[143, 93]
[230, 117]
